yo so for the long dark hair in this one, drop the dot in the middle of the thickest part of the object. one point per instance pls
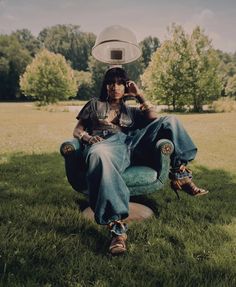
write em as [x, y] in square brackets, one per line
[113, 75]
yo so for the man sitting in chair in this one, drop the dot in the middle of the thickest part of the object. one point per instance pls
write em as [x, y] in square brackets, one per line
[113, 134]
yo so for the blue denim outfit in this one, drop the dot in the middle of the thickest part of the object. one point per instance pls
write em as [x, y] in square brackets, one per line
[108, 193]
[106, 160]
[127, 138]
[169, 127]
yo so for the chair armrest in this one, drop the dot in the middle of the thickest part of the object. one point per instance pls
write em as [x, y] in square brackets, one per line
[70, 147]
[166, 148]
[75, 167]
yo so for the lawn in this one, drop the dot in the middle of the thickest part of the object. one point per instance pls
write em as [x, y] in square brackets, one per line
[44, 241]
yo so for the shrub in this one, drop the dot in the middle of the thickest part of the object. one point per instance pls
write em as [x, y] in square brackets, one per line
[226, 104]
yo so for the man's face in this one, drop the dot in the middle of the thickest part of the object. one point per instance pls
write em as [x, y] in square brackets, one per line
[116, 90]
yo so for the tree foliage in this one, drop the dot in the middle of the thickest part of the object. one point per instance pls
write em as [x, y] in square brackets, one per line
[149, 45]
[135, 69]
[49, 78]
[230, 89]
[226, 71]
[28, 41]
[84, 81]
[13, 60]
[70, 42]
[98, 71]
[183, 67]
[183, 71]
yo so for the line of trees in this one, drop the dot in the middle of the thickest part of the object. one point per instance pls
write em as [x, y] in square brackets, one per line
[183, 71]
[18, 50]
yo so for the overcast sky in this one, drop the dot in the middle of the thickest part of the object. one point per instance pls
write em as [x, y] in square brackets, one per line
[144, 17]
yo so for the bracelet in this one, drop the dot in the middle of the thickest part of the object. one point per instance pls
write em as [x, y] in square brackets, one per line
[80, 135]
[140, 99]
[144, 107]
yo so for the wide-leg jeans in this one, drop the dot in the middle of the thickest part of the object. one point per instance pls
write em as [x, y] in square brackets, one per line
[108, 193]
[169, 127]
[108, 159]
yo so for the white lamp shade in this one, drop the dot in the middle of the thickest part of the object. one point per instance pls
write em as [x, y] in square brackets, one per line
[116, 45]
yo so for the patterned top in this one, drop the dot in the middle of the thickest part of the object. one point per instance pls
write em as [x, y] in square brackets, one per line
[99, 119]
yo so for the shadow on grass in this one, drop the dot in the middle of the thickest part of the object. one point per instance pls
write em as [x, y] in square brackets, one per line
[41, 228]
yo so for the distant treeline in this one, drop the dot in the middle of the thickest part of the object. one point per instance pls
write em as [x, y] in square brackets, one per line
[18, 50]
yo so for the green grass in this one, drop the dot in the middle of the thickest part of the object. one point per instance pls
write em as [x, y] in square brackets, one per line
[44, 241]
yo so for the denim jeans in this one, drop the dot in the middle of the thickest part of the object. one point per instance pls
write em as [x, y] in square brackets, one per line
[142, 142]
[108, 193]
[106, 160]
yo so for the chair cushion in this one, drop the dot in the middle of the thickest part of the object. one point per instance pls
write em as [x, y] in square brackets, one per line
[139, 175]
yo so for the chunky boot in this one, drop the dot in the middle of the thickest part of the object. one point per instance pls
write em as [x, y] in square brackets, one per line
[181, 179]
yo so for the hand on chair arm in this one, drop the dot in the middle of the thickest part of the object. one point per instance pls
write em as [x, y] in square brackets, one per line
[72, 146]
[82, 135]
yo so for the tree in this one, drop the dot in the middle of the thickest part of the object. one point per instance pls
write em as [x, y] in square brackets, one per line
[98, 71]
[28, 41]
[207, 82]
[149, 45]
[226, 69]
[135, 69]
[49, 78]
[70, 42]
[230, 88]
[13, 60]
[183, 71]
[84, 81]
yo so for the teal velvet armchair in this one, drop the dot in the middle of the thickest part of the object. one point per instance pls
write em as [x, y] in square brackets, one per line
[140, 179]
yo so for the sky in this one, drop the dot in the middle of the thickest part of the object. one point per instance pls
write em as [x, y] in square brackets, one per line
[143, 17]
